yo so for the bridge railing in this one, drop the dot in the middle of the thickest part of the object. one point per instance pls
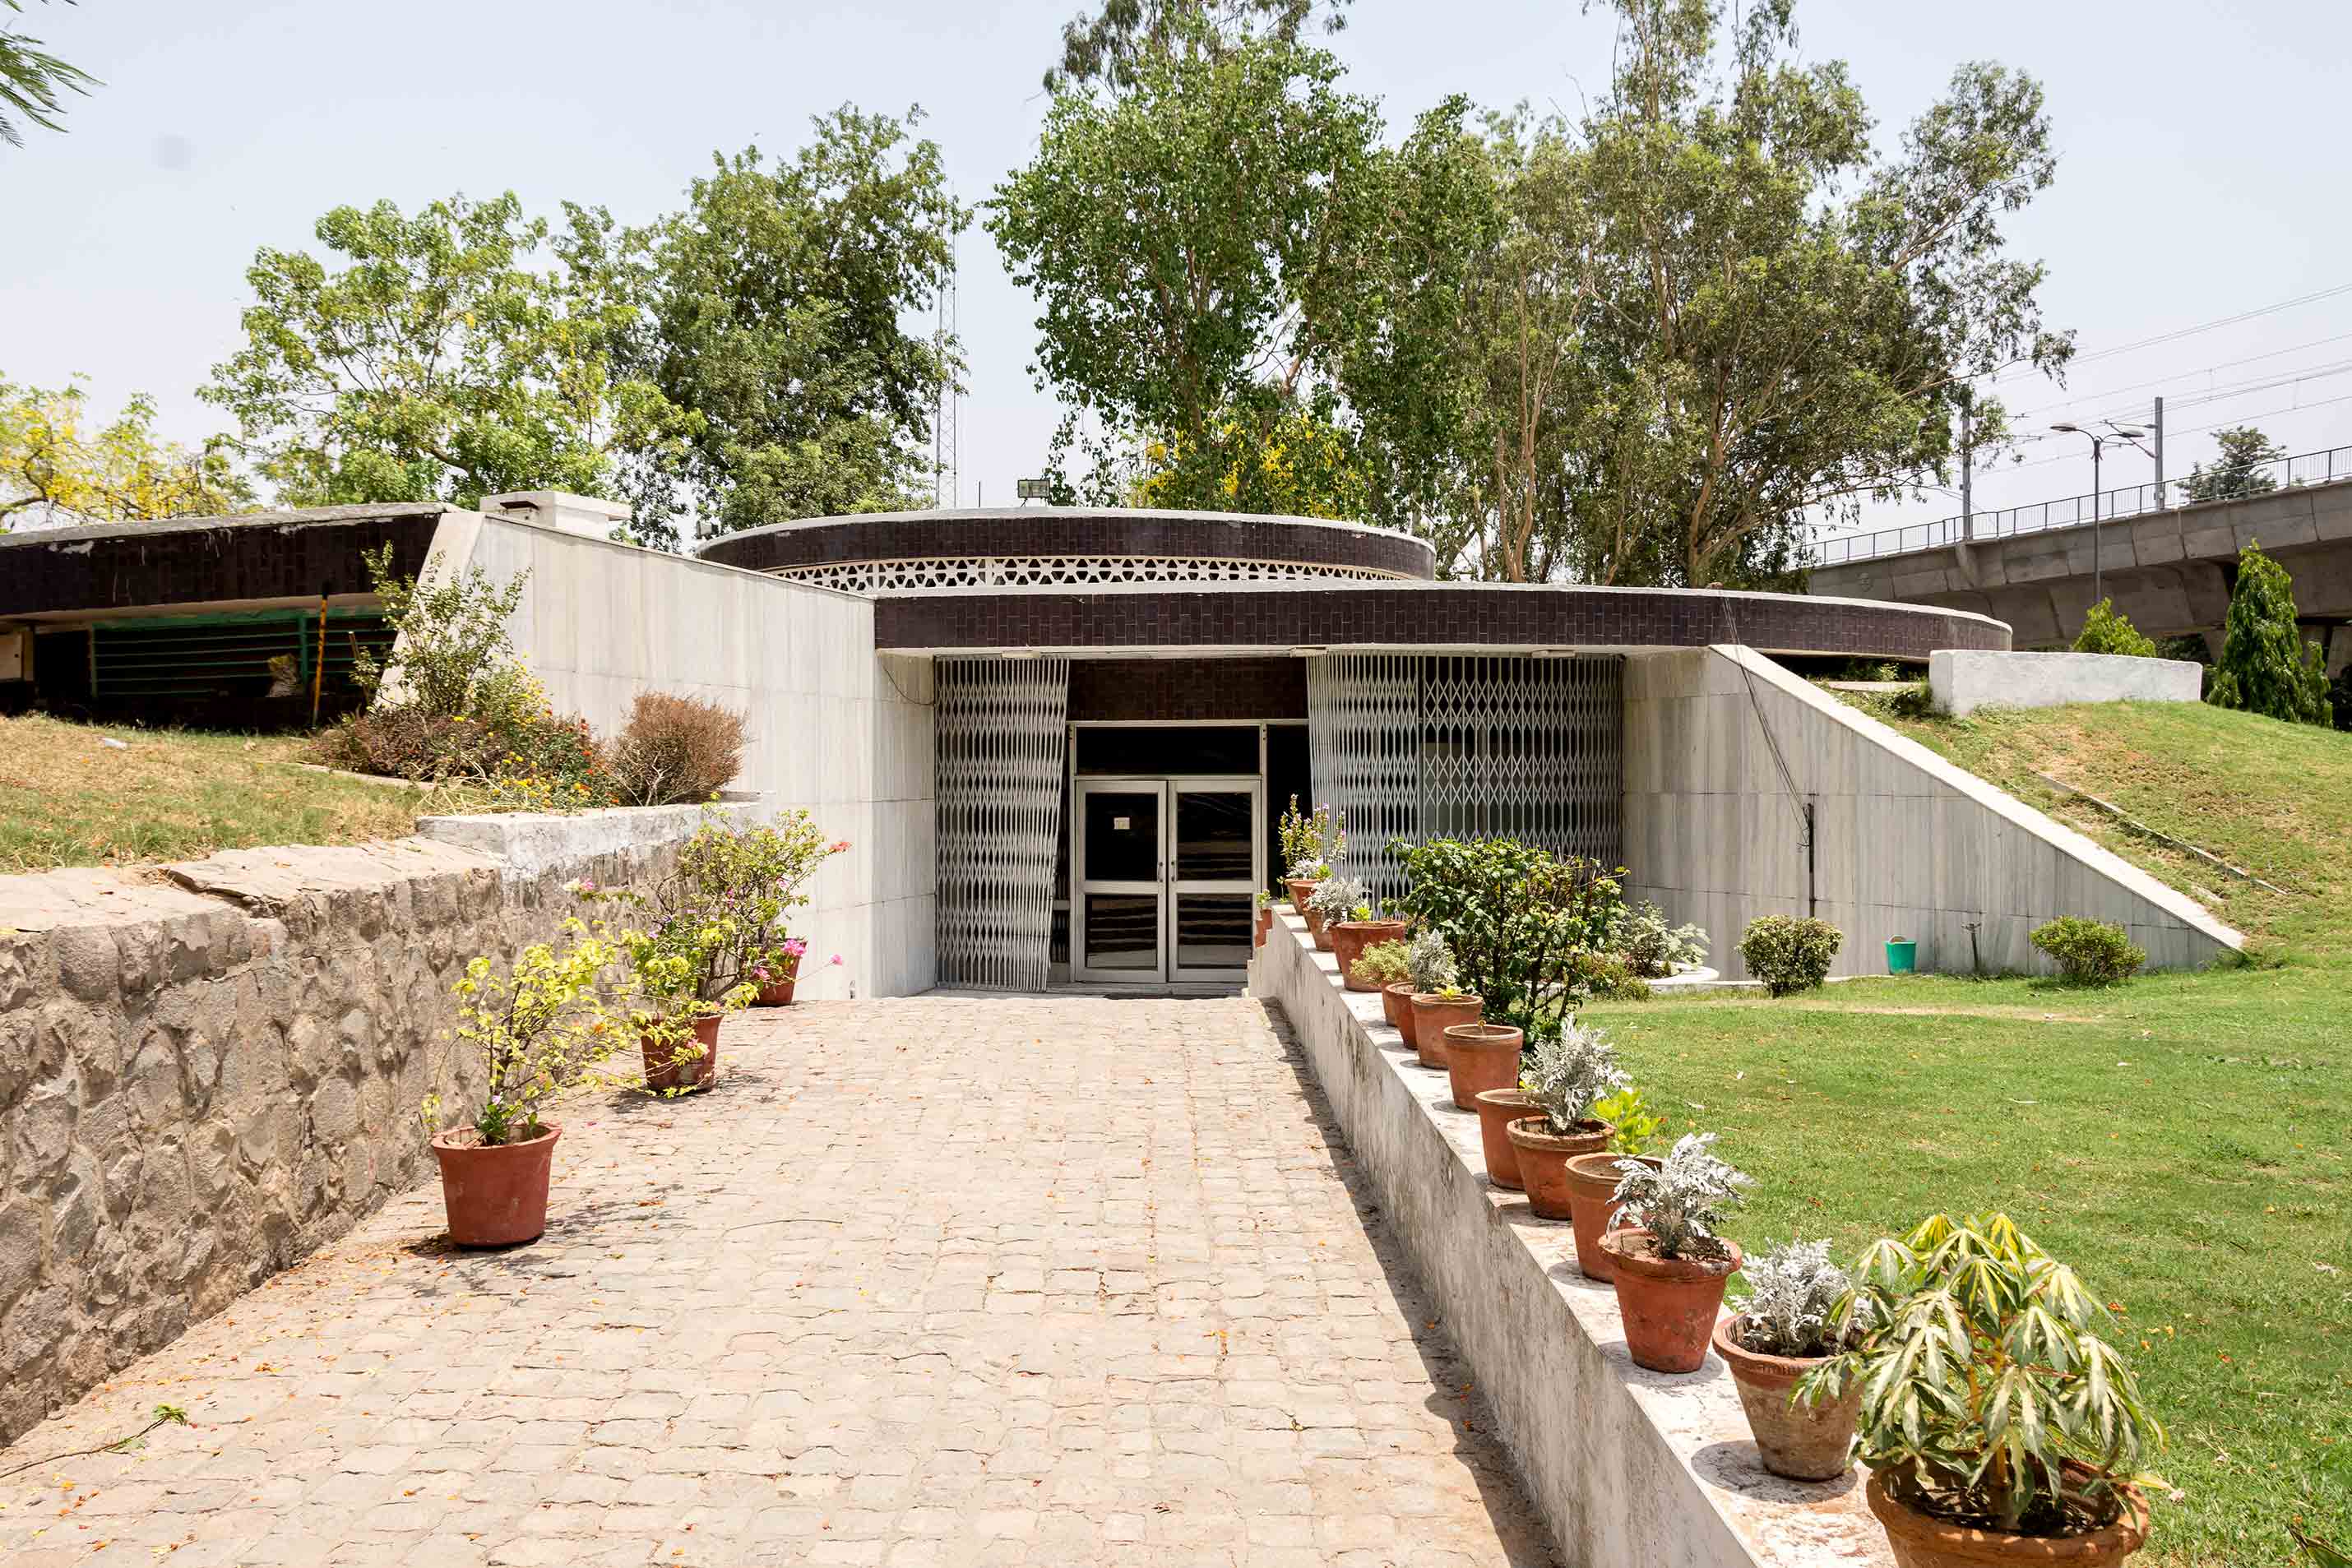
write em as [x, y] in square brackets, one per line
[2105, 505]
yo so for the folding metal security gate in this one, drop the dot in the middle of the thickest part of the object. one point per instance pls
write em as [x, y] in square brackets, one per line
[1415, 745]
[999, 729]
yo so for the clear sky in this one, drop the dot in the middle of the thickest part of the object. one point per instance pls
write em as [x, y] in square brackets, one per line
[2202, 169]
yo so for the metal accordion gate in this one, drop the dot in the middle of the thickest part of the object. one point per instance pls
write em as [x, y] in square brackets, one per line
[1000, 730]
[1415, 746]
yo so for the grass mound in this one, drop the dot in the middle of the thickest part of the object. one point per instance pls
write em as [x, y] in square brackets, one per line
[69, 798]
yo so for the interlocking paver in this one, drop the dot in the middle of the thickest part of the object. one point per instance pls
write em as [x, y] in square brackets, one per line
[925, 1281]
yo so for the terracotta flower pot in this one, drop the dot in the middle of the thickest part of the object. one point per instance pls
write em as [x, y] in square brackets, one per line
[1316, 928]
[496, 1195]
[1396, 1006]
[1544, 1156]
[1498, 1108]
[1804, 1441]
[1479, 1056]
[1922, 1541]
[1264, 926]
[1669, 1304]
[1593, 1207]
[1348, 940]
[1300, 889]
[667, 1067]
[1433, 1015]
[779, 995]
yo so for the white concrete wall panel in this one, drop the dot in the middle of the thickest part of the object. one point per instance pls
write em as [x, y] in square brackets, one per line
[834, 727]
[1909, 845]
[1962, 681]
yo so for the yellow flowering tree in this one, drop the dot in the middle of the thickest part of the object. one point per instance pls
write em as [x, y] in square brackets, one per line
[540, 1028]
[56, 461]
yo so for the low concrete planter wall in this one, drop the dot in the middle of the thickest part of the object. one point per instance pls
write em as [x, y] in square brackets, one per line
[1962, 682]
[206, 1075]
[1627, 1467]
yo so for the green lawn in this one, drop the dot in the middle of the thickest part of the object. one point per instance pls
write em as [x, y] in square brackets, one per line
[2184, 1141]
[69, 799]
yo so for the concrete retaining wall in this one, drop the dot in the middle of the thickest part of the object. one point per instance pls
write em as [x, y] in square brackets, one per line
[1963, 681]
[834, 727]
[206, 1074]
[1626, 1466]
[1907, 844]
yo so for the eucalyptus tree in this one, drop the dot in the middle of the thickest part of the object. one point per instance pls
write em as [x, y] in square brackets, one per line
[1104, 46]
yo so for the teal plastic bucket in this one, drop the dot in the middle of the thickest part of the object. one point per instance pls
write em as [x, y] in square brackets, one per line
[1902, 956]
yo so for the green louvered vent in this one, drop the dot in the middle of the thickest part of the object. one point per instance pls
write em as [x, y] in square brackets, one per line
[229, 655]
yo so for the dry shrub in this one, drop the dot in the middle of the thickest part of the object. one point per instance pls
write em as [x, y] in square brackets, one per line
[675, 749]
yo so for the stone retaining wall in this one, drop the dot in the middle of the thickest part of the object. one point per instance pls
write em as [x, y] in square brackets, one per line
[209, 1070]
[1627, 1467]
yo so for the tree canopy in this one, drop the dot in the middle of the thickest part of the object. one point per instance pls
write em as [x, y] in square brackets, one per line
[745, 360]
[30, 80]
[2243, 468]
[57, 465]
[1652, 344]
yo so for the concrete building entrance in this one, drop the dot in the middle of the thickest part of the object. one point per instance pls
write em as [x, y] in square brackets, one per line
[1163, 872]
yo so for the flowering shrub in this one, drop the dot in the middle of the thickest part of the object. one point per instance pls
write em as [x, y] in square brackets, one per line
[540, 1028]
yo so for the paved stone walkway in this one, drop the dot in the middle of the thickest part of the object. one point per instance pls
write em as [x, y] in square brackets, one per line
[930, 1281]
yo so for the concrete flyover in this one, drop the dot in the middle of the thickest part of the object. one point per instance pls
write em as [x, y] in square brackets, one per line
[2171, 572]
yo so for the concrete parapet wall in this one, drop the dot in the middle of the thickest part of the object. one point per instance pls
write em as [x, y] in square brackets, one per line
[1905, 843]
[1963, 681]
[833, 726]
[1625, 1466]
[208, 1071]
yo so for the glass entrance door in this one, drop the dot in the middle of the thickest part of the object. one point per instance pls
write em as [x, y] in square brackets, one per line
[1162, 878]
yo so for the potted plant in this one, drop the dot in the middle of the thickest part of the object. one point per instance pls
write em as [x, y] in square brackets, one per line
[1784, 1329]
[1381, 967]
[677, 1024]
[1565, 1075]
[1498, 1108]
[539, 1029]
[1671, 1265]
[1428, 969]
[1310, 843]
[1997, 1424]
[1480, 1057]
[1363, 927]
[774, 972]
[1593, 1179]
[1335, 899]
[1265, 927]
[1434, 1012]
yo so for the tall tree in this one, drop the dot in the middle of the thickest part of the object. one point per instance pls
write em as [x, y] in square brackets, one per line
[2266, 665]
[1168, 230]
[435, 362]
[2243, 467]
[1104, 47]
[775, 313]
[30, 80]
[1781, 350]
[57, 466]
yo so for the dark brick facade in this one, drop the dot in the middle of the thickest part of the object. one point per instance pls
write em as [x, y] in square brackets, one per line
[1169, 690]
[281, 555]
[1070, 530]
[1350, 614]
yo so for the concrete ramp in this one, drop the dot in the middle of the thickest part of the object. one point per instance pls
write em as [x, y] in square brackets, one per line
[1724, 751]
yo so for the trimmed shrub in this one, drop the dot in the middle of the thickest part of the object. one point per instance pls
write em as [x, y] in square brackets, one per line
[2267, 666]
[1604, 977]
[675, 749]
[1788, 953]
[2106, 630]
[2089, 952]
[1515, 918]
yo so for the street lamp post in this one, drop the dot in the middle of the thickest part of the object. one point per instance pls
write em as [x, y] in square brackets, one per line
[2098, 554]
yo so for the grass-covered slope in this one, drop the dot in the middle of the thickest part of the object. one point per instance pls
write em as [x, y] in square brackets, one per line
[69, 799]
[2185, 1140]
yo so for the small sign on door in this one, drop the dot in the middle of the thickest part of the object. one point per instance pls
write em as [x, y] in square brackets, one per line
[1122, 824]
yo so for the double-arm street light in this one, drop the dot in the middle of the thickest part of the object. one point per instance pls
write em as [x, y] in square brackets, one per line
[2098, 442]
